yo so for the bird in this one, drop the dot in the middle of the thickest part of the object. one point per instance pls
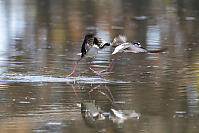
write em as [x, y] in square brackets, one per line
[121, 45]
[129, 47]
[90, 47]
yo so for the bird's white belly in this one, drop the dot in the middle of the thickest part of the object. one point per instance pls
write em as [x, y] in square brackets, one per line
[92, 52]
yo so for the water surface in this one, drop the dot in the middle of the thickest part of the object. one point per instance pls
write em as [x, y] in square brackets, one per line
[146, 92]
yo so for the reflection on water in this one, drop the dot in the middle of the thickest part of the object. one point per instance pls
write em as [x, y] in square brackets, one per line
[153, 36]
[144, 92]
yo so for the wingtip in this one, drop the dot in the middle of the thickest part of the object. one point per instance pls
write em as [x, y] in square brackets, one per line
[119, 40]
[158, 51]
[113, 53]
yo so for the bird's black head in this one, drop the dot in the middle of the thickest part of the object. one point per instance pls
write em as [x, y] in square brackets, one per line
[137, 44]
[88, 36]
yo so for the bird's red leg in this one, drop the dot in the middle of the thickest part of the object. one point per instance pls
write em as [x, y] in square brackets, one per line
[110, 67]
[74, 68]
[72, 85]
[109, 93]
[103, 93]
[95, 71]
[74, 90]
[96, 87]
[91, 90]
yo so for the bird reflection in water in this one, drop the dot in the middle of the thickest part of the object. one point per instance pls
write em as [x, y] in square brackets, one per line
[96, 88]
[93, 113]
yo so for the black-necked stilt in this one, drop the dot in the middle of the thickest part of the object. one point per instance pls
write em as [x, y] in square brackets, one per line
[90, 47]
[121, 45]
[129, 47]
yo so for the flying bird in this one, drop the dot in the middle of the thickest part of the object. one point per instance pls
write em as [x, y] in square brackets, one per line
[129, 47]
[90, 47]
[121, 45]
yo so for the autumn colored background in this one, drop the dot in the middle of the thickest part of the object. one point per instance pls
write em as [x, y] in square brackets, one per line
[39, 40]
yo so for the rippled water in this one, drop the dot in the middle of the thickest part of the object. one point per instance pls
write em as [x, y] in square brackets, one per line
[147, 92]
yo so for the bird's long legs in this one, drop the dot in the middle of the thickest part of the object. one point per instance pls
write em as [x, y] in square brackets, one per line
[74, 90]
[109, 68]
[94, 71]
[111, 65]
[89, 68]
[111, 99]
[74, 68]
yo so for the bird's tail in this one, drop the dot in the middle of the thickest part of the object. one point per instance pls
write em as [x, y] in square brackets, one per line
[157, 51]
[119, 40]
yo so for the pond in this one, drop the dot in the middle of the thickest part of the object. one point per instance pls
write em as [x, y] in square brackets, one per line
[143, 92]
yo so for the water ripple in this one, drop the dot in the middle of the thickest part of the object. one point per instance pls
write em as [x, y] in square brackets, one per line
[35, 78]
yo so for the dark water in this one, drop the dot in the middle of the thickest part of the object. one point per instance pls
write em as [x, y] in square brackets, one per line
[153, 93]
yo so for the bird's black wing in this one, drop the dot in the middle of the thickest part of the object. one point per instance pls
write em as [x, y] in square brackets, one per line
[87, 43]
[83, 49]
[158, 50]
